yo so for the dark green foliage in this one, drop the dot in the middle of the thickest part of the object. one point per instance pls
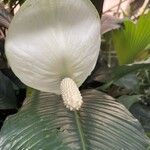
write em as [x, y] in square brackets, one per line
[7, 94]
[142, 113]
[44, 123]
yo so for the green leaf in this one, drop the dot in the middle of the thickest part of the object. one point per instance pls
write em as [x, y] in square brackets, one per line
[124, 70]
[142, 113]
[128, 101]
[129, 82]
[132, 39]
[3, 61]
[44, 123]
[148, 134]
[119, 72]
[7, 94]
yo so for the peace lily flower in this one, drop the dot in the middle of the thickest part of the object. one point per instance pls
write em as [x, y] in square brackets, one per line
[53, 46]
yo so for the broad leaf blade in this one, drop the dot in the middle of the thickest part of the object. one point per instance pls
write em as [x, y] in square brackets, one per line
[44, 123]
[142, 113]
[128, 101]
[130, 82]
[111, 75]
[124, 70]
[132, 40]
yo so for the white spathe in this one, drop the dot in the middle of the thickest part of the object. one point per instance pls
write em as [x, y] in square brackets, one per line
[49, 40]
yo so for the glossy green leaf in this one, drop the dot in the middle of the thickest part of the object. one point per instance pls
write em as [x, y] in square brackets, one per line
[130, 82]
[7, 94]
[128, 101]
[124, 70]
[44, 123]
[114, 74]
[132, 39]
[142, 113]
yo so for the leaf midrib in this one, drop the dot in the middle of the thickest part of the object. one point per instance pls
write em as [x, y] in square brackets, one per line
[81, 134]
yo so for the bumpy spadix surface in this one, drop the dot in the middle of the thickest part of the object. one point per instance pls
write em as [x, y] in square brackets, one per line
[49, 40]
[71, 95]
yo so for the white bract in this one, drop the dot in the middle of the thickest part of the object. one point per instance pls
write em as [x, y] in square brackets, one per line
[49, 40]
